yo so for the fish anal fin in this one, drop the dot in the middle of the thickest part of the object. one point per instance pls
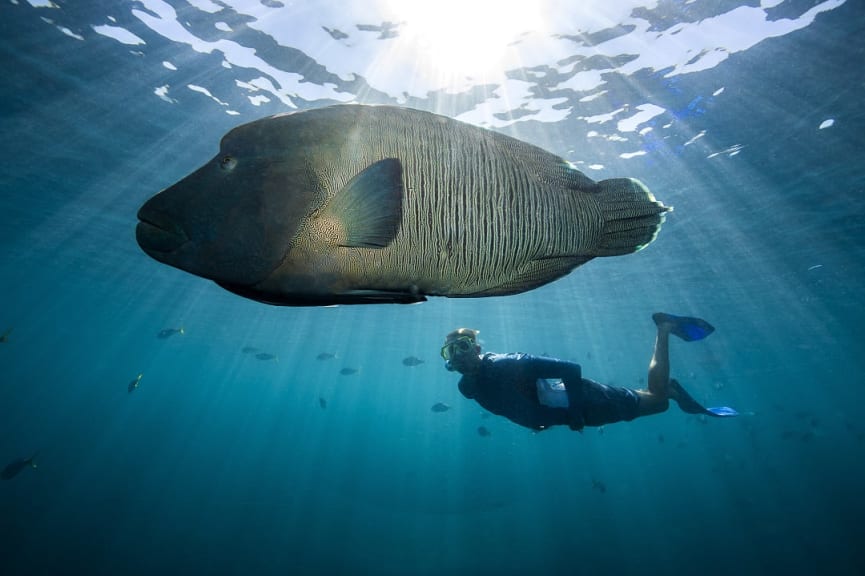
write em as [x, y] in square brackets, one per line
[369, 207]
[371, 296]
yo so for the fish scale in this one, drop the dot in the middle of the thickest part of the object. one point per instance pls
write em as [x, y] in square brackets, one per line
[500, 177]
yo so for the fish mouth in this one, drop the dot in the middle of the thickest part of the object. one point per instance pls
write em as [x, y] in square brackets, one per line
[157, 233]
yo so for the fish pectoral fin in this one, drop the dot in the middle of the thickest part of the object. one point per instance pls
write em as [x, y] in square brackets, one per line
[535, 273]
[369, 207]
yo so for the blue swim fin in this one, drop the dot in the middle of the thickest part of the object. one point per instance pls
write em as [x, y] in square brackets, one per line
[689, 405]
[721, 411]
[685, 327]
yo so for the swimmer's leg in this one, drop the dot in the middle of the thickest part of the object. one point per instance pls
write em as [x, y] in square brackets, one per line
[656, 399]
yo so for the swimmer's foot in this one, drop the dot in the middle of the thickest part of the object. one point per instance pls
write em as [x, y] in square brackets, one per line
[690, 406]
[685, 401]
[685, 327]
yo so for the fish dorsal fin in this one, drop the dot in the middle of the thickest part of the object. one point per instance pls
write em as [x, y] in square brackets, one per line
[369, 207]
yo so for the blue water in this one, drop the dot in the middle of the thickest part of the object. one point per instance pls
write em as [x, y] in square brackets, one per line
[222, 463]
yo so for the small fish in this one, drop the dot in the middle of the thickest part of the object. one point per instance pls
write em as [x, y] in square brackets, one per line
[5, 336]
[266, 356]
[325, 356]
[660, 438]
[412, 361]
[323, 403]
[249, 349]
[440, 407]
[348, 371]
[168, 332]
[16, 466]
[599, 486]
[134, 384]
[484, 431]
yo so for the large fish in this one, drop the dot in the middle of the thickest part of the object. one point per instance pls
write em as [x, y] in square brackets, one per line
[362, 204]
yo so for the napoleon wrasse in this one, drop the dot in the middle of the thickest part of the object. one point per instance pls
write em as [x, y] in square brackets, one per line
[355, 204]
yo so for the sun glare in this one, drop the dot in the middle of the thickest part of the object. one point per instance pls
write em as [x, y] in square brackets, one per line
[463, 38]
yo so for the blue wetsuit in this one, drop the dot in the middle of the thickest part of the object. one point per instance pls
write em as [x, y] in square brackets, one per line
[506, 385]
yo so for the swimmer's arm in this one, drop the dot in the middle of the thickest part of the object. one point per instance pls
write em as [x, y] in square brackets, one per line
[468, 387]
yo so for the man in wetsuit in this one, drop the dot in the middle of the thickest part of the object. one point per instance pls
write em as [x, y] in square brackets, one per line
[538, 392]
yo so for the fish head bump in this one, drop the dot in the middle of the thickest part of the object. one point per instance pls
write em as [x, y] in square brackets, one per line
[234, 219]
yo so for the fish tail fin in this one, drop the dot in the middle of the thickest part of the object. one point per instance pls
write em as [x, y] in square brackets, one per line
[632, 216]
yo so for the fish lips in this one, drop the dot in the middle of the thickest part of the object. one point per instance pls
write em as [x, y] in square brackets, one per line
[158, 234]
[178, 243]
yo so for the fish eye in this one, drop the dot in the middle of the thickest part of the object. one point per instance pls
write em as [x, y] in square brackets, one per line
[227, 163]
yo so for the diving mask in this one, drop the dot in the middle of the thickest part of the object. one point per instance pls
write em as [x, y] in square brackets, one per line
[459, 345]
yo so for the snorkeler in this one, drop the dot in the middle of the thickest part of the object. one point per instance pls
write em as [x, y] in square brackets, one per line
[538, 392]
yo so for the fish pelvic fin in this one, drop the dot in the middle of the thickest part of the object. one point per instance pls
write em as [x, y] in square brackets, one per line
[632, 216]
[369, 207]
